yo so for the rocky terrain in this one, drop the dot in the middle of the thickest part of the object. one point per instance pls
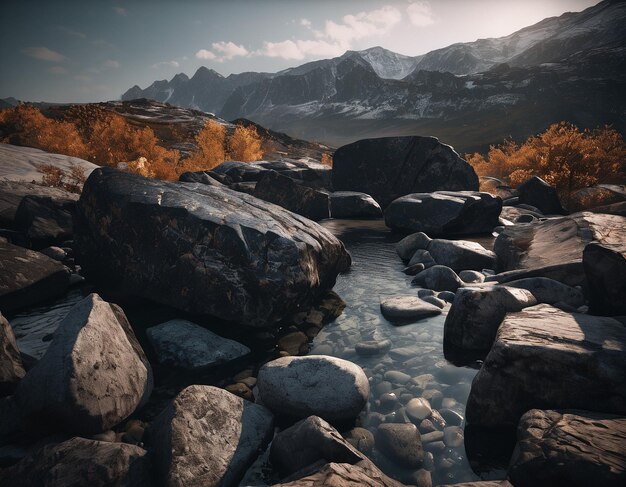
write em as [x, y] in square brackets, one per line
[187, 333]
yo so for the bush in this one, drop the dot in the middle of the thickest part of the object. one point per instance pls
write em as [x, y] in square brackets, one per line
[245, 144]
[55, 177]
[564, 156]
[327, 160]
[211, 148]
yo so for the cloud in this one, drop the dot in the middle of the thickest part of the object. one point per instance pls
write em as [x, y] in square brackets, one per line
[44, 54]
[70, 32]
[57, 70]
[299, 49]
[204, 54]
[305, 22]
[420, 14]
[111, 64]
[83, 77]
[222, 51]
[166, 64]
[120, 11]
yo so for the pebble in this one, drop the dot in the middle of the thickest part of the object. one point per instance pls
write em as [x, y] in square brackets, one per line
[453, 436]
[425, 292]
[447, 296]
[440, 303]
[449, 402]
[421, 478]
[402, 308]
[437, 420]
[401, 443]
[418, 409]
[361, 439]
[55, 253]
[383, 387]
[397, 377]
[241, 390]
[403, 353]
[414, 269]
[471, 277]
[427, 426]
[108, 436]
[451, 417]
[388, 401]
[433, 436]
[372, 347]
[296, 343]
[435, 446]
[429, 461]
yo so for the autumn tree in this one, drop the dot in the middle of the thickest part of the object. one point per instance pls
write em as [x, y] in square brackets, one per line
[327, 160]
[245, 144]
[211, 151]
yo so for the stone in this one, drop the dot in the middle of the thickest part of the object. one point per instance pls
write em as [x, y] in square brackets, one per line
[422, 257]
[28, 277]
[94, 373]
[11, 368]
[220, 253]
[372, 347]
[461, 254]
[447, 296]
[414, 269]
[390, 167]
[432, 436]
[319, 385]
[483, 483]
[544, 357]
[549, 291]
[605, 268]
[349, 204]
[569, 273]
[409, 244]
[438, 278]
[451, 417]
[79, 461]
[184, 344]
[601, 195]
[242, 390]
[207, 436]
[309, 441]
[418, 409]
[536, 192]
[44, 220]
[203, 177]
[453, 436]
[401, 443]
[361, 439]
[476, 314]
[471, 277]
[286, 192]
[295, 343]
[421, 478]
[574, 448]
[440, 303]
[444, 213]
[407, 308]
[397, 377]
[342, 474]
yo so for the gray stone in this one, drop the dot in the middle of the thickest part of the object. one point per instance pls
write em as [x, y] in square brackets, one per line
[11, 368]
[397, 377]
[319, 385]
[208, 437]
[536, 192]
[438, 278]
[444, 213]
[447, 296]
[440, 303]
[184, 344]
[461, 254]
[372, 347]
[350, 204]
[409, 244]
[55, 253]
[401, 443]
[602, 195]
[453, 436]
[44, 220]
[414, 269]
[407, 308]
[418, 409]
[549, 291]
[361, 439]
[471, 277]
[93, 375]
[544, 357]
[341, 474]
[605, 268]
[422, 257]
[574, 448]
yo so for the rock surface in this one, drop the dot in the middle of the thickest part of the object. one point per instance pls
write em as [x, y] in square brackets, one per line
[588, 199]
[444, 213]
[438, 278]
[11, 369]
[390, 167]
[536, 192]
[364, 473]
[461, 255]
[208, 437]
[549, 291]
[544, 357]
[317, 385]
[184, 344]
[220, 252]
[574, 448]
[409, 244]
[45, 221]
[350, 204]
[94, 373]
[79, 461]
[28, 277]
[605, 268]
[407, 308]
[402, 443]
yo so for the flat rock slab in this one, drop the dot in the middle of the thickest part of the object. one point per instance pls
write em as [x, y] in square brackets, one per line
[28, 277]
[574, 448]
[350, 204]
[208, 437]
[407, 308]
[546, 358]
[184, 344]
[461, 255]
[203, 249]
[318, 385]
[363, 473]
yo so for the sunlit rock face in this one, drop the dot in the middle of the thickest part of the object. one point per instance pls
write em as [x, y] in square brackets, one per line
[202, 249]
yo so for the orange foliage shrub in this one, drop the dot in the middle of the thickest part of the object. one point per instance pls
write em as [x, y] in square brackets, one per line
[211, 148]
[327, 160]
[245, 144]
[564, 156]
[56, 177]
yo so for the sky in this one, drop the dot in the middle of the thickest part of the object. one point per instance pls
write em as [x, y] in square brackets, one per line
[94, 50]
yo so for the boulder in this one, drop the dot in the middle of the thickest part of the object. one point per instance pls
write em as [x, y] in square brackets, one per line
[588, 199]
[472, 277]
[184, 344]
[407, 308]
[45, 221]
[613, 209]
[569, 273]
[202, 177]
[219, 252]
[605, 268]
[549, 291]
[402, 443]
[409, 244]
[28, 277]
[544, 357]
[11, 369]
[536, 192]
[476, 314]
[461, 254]
[422, 257]
[444, 213]
[438, 278]
[94, 373]
[208, 437]
[286, 192]
[79, 461]
[390, 167]
[350, 204]
[573, 448]
[319, 385]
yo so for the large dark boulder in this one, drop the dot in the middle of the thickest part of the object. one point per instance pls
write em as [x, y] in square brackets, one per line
[444, 213]
[45, 221]
[605, 268]
[203, 249]
[390, 167]
[536, 192]
[595, 197]
[286, 192]
[349, 204]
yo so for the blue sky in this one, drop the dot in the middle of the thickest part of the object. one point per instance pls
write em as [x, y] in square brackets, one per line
[82, 51]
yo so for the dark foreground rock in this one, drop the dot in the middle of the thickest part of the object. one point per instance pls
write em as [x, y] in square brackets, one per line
[286, 192]
[350, 204]
[28, 277]
[390, 167]
[93, 375]
[536, 192]
[544, 357]
[573, 448]
[11, 369]
[208, 437]
[444, 213]
[438, 278]
[203, 249]
[363, 473]
[318, 385]
[45, 221]
[461, 254]
[402, 443]
[79, 461]
[605, 268]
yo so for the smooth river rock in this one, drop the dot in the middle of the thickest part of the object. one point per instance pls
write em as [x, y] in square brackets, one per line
[536, 192]
[317, 385]
[605, 268]
[219, 252]
[408, 245]
[544, 357]
[549, 291]
[461, 255]
[208, 437]
[438, 278]
[350, 204]
[402, 443]
[407, 308]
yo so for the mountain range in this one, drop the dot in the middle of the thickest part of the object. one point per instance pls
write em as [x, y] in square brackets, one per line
[471, 94]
